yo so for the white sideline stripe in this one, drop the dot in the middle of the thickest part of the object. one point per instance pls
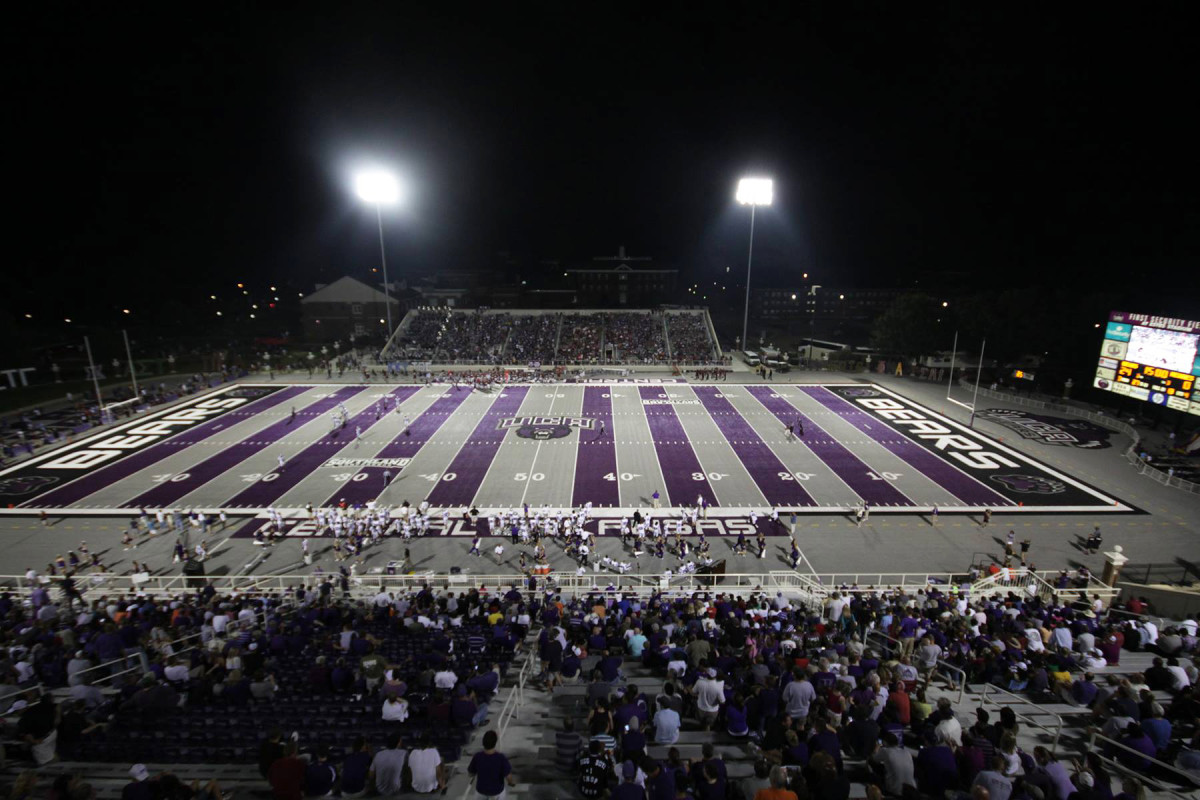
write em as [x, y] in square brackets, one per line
[605, 512]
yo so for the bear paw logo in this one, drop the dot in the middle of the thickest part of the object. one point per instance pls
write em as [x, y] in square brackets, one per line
[26, 484]
[1030, 484]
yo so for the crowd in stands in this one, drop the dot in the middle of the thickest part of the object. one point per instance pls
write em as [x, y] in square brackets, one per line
[580, 338]
[690, 342]
[218, 679]
[590, 338]
[819, 696]
[533, 339]
[635, 338]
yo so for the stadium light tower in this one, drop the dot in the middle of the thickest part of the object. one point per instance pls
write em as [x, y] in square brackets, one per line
[380, 188]
[752, 192]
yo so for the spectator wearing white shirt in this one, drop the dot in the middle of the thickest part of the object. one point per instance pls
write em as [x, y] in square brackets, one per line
[425, 763]
[710, 694]
[395, 709]
[445, 679]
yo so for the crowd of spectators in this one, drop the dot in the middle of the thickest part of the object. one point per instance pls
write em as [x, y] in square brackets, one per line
[618, 337]
[206, 678]
[635, 338]
[820, 694]
[689, 337]
[580, 338]
[532, 339]
[425, 328]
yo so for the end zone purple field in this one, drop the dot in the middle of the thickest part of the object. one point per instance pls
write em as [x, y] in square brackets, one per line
[811, 448]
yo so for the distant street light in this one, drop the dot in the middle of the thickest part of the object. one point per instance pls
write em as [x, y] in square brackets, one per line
[752, 192]
[380, 188]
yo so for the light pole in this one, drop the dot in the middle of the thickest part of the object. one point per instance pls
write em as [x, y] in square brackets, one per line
[752, 192]
[380, 188]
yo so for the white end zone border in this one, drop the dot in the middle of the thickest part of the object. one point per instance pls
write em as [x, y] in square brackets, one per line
[107, 432]
[1112, 504]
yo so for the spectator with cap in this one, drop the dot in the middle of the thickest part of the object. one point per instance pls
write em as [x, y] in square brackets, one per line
[140, 788]
[710, 694]
[629, 788]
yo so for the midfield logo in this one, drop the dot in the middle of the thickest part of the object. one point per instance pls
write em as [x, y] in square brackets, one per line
[1060, 431]
[543, 428]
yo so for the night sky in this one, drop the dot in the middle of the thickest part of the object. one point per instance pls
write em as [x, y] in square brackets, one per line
[162, 155]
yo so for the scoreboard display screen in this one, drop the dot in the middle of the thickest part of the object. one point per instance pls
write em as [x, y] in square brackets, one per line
[1156, 359]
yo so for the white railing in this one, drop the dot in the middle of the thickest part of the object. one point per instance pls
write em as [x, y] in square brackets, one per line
[814, 587]
[1105, 420]
[896, 645]
[1023, 580]
[1183, 778]
[1027, 716]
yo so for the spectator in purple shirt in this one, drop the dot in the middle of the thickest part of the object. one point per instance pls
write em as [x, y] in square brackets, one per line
[1136, 739]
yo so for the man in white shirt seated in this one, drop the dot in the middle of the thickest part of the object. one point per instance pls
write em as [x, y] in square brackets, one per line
[445, 679]
[395, 709]
[176, 672]
[425, 763]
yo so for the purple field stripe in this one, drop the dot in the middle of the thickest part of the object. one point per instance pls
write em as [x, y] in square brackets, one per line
[301, 465]
[95, 481]
[596, 455]
[944, 474]
[422, 429]
[167, 493]
[675, 454]
[755, 454]
[474, 458]
[847, 466]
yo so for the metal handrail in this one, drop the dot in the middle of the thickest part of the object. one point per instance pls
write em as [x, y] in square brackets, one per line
[1056, 733]
[962, 683]
[252, 585]
[515, 699]
[1184, 778]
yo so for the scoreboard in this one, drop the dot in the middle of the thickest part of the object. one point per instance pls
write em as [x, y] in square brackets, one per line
[1156, 359]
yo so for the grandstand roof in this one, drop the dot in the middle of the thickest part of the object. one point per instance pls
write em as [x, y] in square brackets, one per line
[348, 290]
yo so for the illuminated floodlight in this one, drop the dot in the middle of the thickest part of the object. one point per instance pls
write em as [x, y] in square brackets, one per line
[755, 191]
[378, 187]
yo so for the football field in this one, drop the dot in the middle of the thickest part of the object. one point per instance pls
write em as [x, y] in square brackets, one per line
[803, 448]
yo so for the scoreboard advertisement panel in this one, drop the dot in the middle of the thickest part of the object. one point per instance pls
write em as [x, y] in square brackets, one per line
[1156, 359]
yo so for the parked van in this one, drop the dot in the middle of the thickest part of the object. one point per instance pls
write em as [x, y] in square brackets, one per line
[751, 358]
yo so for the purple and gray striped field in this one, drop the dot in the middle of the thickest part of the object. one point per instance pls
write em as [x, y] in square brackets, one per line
[807, 448]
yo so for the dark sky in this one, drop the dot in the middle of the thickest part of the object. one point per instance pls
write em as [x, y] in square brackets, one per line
[163, 154]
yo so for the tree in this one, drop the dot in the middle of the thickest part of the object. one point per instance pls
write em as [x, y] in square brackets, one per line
[910, 327]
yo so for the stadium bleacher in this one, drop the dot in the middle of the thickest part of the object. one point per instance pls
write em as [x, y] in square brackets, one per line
[516, 337]
[761, 680]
